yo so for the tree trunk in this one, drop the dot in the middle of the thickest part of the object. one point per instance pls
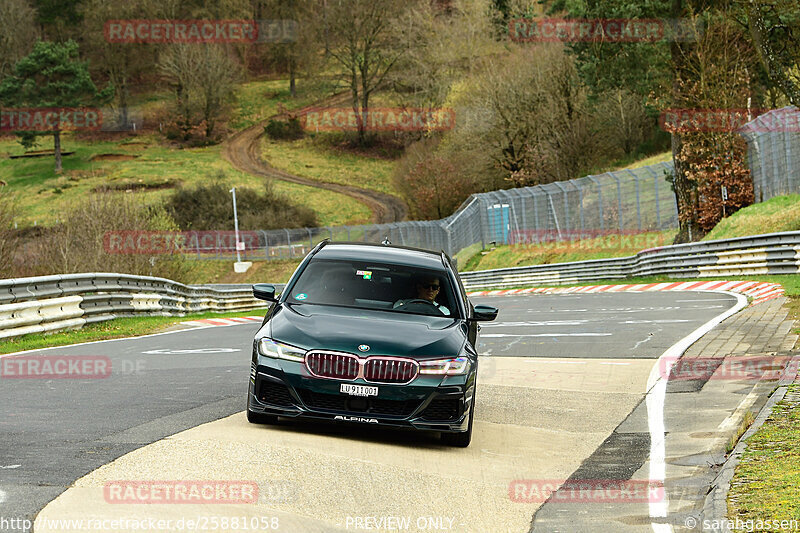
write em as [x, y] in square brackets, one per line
[292, 77]
[57, 150]
[685, 195]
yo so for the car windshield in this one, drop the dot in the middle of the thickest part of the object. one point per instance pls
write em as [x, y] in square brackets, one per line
[370, 285]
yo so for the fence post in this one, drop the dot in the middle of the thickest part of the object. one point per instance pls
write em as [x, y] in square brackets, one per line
[266, 244]
[566, 204]
[599, 201]
[619, 200]
[638, 204]
[289, 243]
[580, 203]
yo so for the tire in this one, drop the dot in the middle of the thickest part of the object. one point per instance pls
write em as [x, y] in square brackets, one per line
[461, 440]
[260, 418]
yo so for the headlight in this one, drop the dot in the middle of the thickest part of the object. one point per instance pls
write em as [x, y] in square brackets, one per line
[270, 348]
[451, 366]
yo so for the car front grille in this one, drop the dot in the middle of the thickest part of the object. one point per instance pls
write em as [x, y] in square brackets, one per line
[348, 367]
[332, 365]
[376, 406]
[274, 393]
[378, 370]
[442, 409]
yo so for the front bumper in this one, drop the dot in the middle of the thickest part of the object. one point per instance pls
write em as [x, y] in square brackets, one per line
[430, 403]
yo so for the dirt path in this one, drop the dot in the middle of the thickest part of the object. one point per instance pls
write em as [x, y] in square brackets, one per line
[243, 150]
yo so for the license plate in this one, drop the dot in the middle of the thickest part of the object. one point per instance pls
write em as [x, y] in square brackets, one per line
[358, 390]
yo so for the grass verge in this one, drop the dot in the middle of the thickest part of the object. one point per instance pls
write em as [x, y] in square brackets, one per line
[607, 246]
[766, 484]
[112, 329]
[781, 213]
[314, 158]
[215, 271]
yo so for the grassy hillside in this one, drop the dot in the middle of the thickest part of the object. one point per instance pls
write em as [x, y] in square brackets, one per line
[781, 213]
[148, 164]
[141, 163]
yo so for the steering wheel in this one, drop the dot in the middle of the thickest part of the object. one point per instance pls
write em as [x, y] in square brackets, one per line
[410, 303]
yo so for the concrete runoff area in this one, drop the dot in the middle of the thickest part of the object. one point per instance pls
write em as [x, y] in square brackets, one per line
[552, 408]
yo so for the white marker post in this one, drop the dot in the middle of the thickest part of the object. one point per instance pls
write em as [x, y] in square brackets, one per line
[238, 266]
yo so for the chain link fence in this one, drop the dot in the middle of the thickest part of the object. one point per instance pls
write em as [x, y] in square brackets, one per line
[621, 202]
[773, 152]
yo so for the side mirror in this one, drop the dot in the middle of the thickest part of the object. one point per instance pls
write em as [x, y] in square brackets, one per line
[264, 291]
[484, 313]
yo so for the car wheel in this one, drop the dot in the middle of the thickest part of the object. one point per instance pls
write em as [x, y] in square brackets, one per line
[461, 440]
[260, 418]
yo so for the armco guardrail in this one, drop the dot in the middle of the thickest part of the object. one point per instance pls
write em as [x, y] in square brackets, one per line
[53, 303]
[774, 253]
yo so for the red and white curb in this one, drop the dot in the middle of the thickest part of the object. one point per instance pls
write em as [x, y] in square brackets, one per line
[759, 291]
[211, 322]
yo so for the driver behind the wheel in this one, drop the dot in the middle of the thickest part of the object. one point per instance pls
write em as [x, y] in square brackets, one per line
[425, 288]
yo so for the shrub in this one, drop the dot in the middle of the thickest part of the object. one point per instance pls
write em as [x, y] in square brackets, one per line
[284, 130]
[77, 243]
[9, 241]
[210, 207]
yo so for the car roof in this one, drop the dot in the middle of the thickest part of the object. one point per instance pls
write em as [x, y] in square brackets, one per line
[398, 255]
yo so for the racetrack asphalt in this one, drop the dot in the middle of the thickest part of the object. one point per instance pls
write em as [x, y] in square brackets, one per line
[53, 431]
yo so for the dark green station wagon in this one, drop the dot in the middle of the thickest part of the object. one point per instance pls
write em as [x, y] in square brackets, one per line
[369, 334]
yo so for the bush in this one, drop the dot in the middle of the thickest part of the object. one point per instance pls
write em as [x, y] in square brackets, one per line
[434, 185]
[210, 207]
[284, 130]
[9, 241]
[77, 244]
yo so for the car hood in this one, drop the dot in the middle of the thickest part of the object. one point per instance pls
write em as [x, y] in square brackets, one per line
[342, 329]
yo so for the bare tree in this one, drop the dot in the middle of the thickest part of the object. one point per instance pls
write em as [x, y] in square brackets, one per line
[203, 78]
[18, 32]
[442, 46]
[364, 46]
[121, 62]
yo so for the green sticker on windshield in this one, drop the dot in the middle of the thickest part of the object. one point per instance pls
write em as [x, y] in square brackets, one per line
[366, 274]
[301, 296]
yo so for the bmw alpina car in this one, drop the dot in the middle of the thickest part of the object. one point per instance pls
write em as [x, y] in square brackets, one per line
[369, 334]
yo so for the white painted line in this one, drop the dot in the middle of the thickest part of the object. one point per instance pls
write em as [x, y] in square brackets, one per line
[2, 496]
[536, 323]
[656, 396]
[9, 467]
[664, 321]
[192, 330]
[538, 360]
[501, 335]
[706, 300]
